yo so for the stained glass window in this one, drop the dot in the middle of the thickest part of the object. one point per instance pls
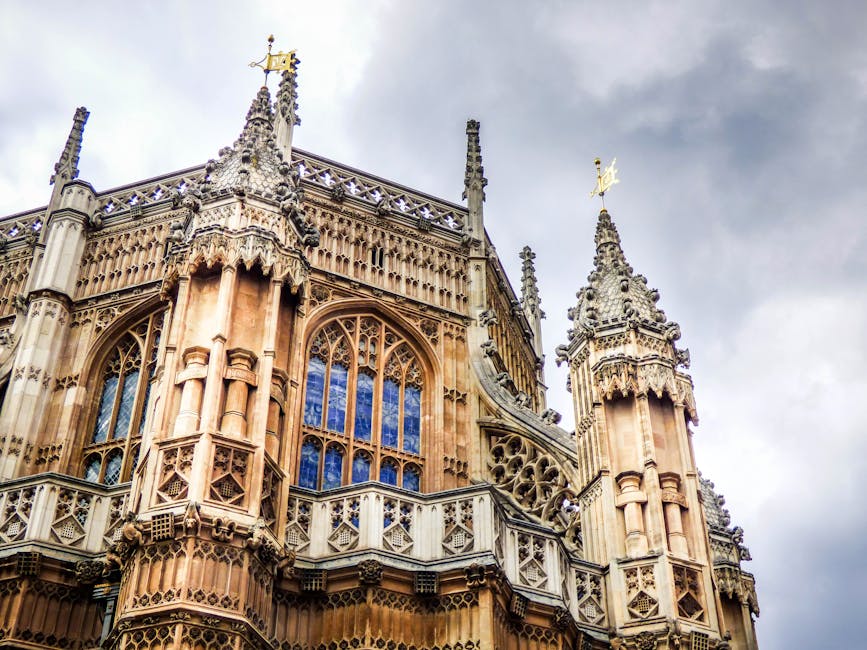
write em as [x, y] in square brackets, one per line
[333, 472]
[106, 404]
[127, 400]
[390, 412]
[337, 398]
[92, 467]
[411, 419]
[360, 468]
[411, 478]
[315, 392]
[388, 472]
[363, 394]
[112, 467]
[308, 476]
[119, 416]
[364, 407]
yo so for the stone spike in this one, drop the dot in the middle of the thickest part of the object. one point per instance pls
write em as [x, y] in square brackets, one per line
[529, 287]
[474, 178]
[615, 293]
[609, 253]
[530, 297]
[287, 111]
[67, 167]
[259, 126]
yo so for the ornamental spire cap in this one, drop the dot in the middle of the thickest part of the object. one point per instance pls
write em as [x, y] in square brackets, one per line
[67, 167]
[254, 164]
[259, 126]
[474, 178]
[615, 294]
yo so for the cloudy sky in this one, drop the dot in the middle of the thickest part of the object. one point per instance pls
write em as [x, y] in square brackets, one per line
[739, 130]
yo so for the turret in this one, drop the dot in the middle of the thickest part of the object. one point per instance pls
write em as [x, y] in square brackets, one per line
[632, 408]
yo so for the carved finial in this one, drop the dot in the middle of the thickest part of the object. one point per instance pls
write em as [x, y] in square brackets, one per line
[529, 288]
[474, 178]
[67, 167]
[287, 108]
[260, 120]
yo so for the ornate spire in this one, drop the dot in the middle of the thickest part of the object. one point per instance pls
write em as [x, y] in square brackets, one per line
[615, 293]
[287, 109]
[474, 182]
[530, 296]
[529, 289]
[259, 126]
[253, 164]
[67, 167]
[474, 178]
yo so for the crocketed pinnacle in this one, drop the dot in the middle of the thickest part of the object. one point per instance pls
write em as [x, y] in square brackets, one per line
[254, 164]
[259, 126]
[615, 293]
[67, 167]
[287, 98]
[474, 178]
[529, 287]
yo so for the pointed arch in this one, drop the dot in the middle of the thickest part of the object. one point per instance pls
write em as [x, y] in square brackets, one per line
[367, 386]
[121, 369]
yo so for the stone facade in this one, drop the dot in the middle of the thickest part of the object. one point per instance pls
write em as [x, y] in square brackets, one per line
[276, 402]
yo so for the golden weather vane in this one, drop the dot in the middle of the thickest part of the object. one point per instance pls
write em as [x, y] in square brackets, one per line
[604, 179]
[278, 61]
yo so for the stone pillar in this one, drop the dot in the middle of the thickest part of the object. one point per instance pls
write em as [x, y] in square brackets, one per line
[630, 499]
[672, 502]
[192, 378]
[241, 377]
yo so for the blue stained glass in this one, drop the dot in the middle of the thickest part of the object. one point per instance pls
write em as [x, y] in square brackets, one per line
[388, 473]
[337, 398]
[411, 479]
[127, 397]
[315, 392]
[360, 468]
[411, 418]
[390, 412]
[106, 403]
[308, 475]
[363, 406]
[333, 468]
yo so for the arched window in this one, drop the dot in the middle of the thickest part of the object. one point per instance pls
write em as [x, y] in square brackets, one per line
[364, 390]
[120, 411]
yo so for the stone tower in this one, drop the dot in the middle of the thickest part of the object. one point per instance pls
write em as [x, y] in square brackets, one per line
[273, 401]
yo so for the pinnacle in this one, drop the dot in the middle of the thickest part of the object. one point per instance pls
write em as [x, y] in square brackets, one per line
[287, 97]
[474, 178]
[615, 293]
[67, 166]
[260, 119]
[529, 287]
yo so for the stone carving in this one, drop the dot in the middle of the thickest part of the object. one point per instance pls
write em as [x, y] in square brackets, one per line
[488, 317]
[130, 538]
[475, 575]
[192, 519]
[489, 347]
[537, 481]
[88, 571]
[370, 572]
[561, 619]
[458, 527]
[688, 593]
[641, 591]
[550, 416]
[223, 529]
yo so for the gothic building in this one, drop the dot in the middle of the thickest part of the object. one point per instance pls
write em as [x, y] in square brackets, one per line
[276, 402]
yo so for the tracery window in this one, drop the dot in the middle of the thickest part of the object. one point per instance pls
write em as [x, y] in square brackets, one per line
[125, 377]
[363, 403]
